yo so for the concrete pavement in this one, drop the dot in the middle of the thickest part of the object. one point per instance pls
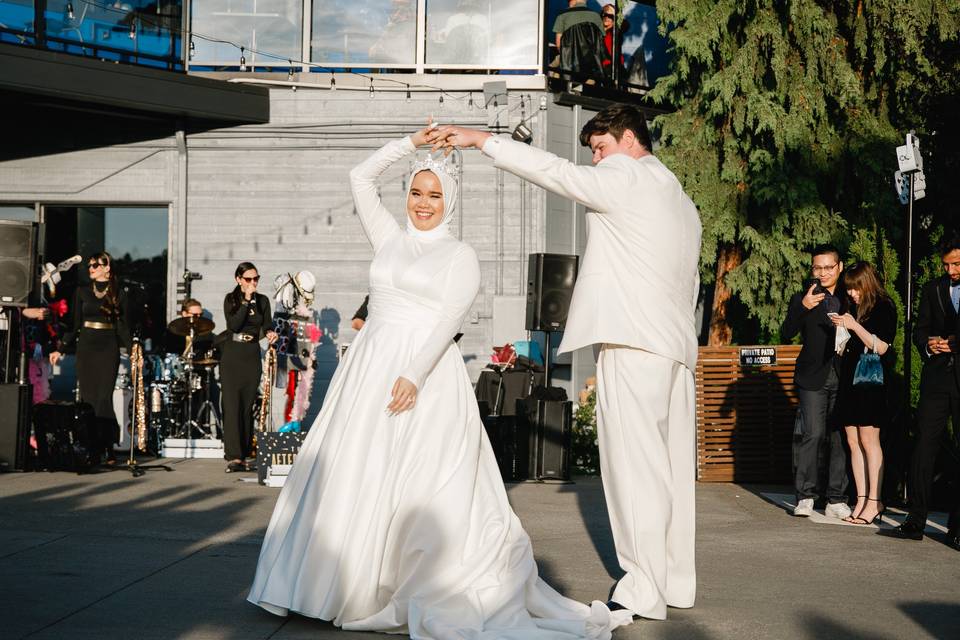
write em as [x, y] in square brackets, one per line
[170, 555]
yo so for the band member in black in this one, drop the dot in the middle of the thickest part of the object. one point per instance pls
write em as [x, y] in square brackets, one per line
[935, 336]
[100, 329]
[177, 344]
[248, 320]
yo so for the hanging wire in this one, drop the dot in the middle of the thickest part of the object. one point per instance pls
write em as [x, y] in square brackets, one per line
[258, 52]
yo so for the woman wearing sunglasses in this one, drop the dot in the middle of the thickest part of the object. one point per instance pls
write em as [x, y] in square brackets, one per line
[248, 320]
[100, 328]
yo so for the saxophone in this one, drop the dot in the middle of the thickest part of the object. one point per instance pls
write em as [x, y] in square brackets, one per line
[266, 387]
[139, 401]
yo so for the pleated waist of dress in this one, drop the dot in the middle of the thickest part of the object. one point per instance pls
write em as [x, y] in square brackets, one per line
[393, 306]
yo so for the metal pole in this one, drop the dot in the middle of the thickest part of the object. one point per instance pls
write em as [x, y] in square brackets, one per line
[615, 47]
[908, 326]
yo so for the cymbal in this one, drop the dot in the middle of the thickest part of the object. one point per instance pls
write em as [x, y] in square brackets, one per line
[182, 326]
[204, 362]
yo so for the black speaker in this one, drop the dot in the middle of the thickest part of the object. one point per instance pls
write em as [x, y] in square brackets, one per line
[510, 443]
[14, 426]
[549, 423]
[16, 262]
[550, 280]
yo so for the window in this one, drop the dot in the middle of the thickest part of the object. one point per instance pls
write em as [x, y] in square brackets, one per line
[371, 32]
[483, 33]
[271, 26]
[18, 212]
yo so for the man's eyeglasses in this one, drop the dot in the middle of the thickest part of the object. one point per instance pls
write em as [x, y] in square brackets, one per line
[248, 280]
[825, 268]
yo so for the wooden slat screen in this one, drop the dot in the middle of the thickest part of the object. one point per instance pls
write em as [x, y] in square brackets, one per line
[745, 416]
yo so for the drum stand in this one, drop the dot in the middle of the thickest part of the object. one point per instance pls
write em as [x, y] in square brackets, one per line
[206, 429]
[212, 422]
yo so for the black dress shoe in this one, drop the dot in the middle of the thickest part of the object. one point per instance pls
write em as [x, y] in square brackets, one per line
[953, 540]
[909, 530]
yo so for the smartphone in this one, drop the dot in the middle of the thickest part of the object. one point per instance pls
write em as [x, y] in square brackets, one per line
[813, 282]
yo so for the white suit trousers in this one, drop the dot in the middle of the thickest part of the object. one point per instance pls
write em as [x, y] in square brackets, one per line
[646, 423]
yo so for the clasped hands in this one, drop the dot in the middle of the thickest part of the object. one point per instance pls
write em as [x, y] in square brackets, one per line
[449, 137]
[938, 344]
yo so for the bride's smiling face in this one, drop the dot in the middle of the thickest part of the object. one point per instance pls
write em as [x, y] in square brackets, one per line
[425, 201]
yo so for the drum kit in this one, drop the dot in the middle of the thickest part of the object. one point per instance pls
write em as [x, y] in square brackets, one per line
[177, 379]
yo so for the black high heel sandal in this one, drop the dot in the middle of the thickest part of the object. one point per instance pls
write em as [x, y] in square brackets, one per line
[875, 519]
[850, 518]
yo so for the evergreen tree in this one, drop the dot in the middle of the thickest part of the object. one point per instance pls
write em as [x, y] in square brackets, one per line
[787, 115]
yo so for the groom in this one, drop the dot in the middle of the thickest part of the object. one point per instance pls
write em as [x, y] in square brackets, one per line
[634, 300]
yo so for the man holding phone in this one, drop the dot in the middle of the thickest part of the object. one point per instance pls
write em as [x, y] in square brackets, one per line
[815, 377]
[935, 337]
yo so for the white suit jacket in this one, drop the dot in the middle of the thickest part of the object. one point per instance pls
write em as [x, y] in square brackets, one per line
[638, 282]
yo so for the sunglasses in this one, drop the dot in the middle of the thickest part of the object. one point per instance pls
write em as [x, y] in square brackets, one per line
[608, 15]
[253, 279]
[95, 265]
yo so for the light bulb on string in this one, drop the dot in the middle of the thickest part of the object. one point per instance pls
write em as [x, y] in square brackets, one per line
[243, 60]
[441, 100]
[290, 71]
[70, 10]
[133, 31]
[470, 101]
[371, 87]
[193, 49]
[333, 81]
[408, 93]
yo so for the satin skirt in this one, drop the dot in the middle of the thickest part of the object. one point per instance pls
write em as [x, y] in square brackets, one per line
[401, 524]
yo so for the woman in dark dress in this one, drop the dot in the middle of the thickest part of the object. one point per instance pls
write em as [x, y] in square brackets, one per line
[248, 320]
[100, 329]
[863, 410]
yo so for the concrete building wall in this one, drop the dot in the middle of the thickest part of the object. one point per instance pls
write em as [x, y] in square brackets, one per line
[277, 195]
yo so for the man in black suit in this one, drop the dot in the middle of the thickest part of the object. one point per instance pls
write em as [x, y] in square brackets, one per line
[935, 337]
[815, 377]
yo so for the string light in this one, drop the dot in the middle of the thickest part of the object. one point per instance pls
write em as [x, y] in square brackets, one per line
[133, 30]
[290, 71]
[408, 93]
[441, 99]
[470, 102]
[118, 8]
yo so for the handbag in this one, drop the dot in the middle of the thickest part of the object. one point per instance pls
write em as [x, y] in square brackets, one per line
[869, 371]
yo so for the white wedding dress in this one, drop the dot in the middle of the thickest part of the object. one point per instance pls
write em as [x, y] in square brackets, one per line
[401, 524]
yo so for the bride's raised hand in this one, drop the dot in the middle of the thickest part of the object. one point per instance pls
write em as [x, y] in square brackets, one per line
[404, 395]
[423, 136]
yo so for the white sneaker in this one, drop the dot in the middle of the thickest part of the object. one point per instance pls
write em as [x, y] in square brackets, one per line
[804, 507]
[838, 510]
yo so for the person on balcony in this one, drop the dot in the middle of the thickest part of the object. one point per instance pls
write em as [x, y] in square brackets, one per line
[579, 39]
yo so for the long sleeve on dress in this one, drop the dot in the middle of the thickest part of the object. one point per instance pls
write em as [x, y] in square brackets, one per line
[460, 290]
[377, 222]
[69, 342]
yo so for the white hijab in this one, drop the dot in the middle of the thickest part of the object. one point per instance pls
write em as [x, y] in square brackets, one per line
[446, 173]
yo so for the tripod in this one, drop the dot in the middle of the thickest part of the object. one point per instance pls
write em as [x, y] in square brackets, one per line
[207, 410]
[139, 414]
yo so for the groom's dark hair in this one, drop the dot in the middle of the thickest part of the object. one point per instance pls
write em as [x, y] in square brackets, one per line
[614, 120]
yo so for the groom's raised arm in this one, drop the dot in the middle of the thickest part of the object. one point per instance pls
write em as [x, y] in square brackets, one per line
[592, 187]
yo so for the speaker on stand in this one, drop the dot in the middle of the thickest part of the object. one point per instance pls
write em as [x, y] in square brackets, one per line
[17, 275]
[550, 281]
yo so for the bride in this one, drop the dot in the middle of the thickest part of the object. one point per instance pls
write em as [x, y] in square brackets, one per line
[394, 517]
